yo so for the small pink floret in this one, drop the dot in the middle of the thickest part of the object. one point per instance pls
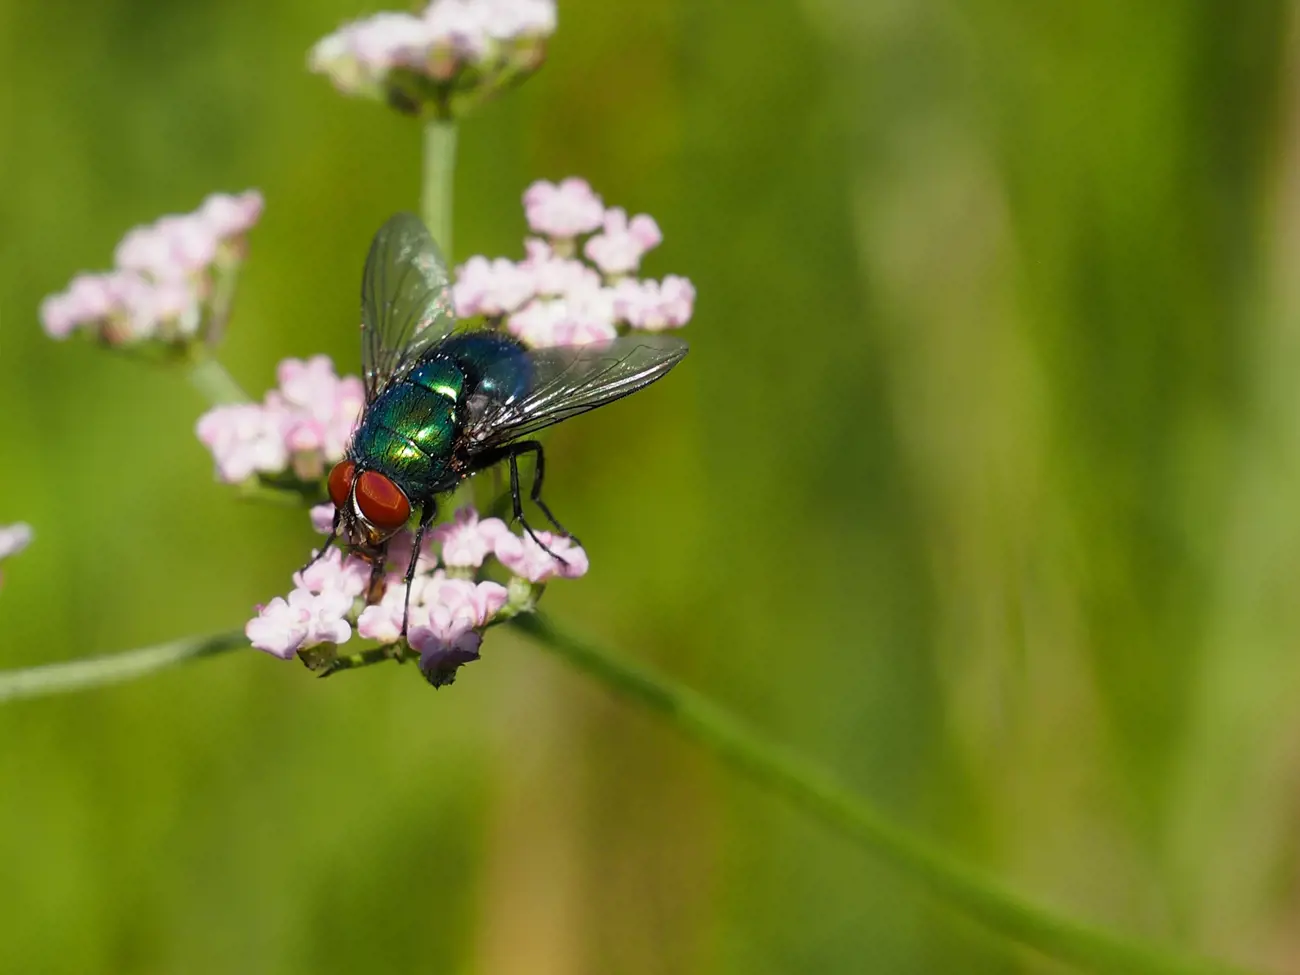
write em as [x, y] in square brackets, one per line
[284, 626]
[229, 215]
[523, 18]
[322, 518]
[536, 323]
[525, 558]
[654, 305]
[459, 25]
[466, 541]
[245, 439]
[450, 635]
[495, 287]
[312, 413]
[333, 572]
[387, 40]
[565, 210]
[383, 621]
[620, 247]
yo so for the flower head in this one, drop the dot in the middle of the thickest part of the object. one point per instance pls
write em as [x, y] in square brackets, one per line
[322, 517]
[466, 541]
[382, 621]
[655, 305]
[492, 288]
[444, 61]
[526, 558]
[320, 408]
[163, 288]
[245, 439]
[618, 249]
[451, 602]
[231, 216]
[284, 626]
[450, 635]
[553, 297]
[301, 428]
[563, 210]
[334, 572]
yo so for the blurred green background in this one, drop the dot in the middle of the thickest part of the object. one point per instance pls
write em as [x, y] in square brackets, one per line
[979, 485]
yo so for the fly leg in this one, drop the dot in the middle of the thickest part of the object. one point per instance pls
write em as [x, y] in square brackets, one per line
[427, 513]
[375, 587]
[333, 537]
[511, 453]
[535, 492]
[517, 501]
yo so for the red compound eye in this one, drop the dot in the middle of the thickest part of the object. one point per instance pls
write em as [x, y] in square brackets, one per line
[382, 501]
[340, 483]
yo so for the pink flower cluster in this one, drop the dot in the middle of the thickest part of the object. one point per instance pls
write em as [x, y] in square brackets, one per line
[552, 297]
[450, 604]
[303, 426]
[13, 539]
[390, 53]
[163, 283]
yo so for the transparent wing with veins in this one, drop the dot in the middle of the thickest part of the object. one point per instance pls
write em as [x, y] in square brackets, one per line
[405, 301]
[565, 381]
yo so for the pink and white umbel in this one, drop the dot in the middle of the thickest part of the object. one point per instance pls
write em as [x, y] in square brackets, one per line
[444, 60]
[171, 282]
[577, 283]
[473, 572]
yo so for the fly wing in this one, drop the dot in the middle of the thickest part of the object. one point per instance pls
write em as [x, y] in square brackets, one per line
[564, 381]
[405, 300]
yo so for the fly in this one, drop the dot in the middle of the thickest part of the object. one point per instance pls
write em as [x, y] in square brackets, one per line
[445, 401]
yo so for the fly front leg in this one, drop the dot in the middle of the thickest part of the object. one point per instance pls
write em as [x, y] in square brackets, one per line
[427, 513]
[376, 586]
[333, 537]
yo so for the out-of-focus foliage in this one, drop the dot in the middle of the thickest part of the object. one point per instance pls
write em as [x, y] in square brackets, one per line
[980, 484]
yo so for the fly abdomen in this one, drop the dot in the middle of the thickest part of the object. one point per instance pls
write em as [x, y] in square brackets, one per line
[495, 365]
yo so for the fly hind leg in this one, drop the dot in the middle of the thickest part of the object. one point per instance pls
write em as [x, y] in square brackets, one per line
[510, 454]
[516, 451]
[535, 492]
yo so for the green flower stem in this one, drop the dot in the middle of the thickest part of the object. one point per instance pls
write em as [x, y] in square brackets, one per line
[218, 387]
[76, 675]
[818, 793]
[219, 306]
[436, 191]
[772, 766]
[437, 199]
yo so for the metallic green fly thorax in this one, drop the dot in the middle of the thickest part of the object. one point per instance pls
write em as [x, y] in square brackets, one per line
[409, 431]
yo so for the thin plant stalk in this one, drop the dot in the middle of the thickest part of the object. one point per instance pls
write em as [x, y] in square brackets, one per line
[436, 189]
[216, 385]
[79, 675]
[786, 773]
[819, 794]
